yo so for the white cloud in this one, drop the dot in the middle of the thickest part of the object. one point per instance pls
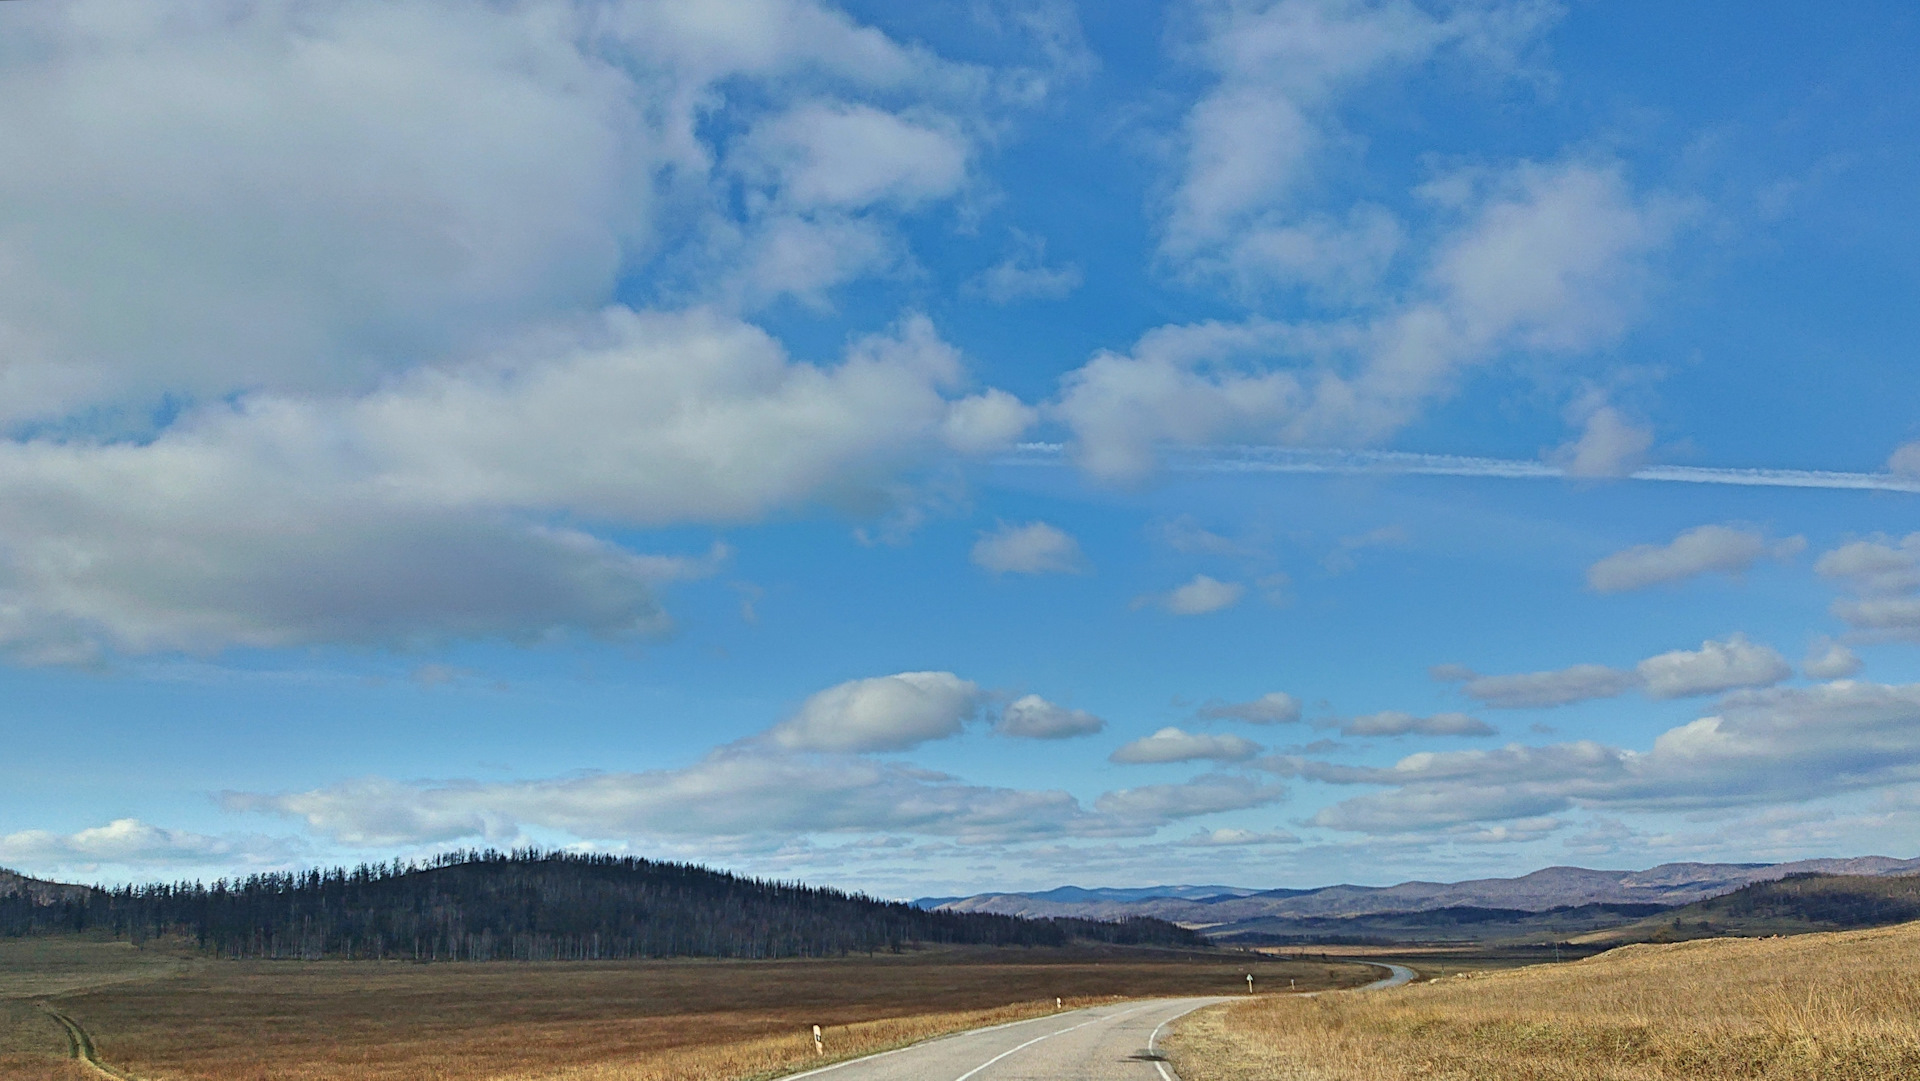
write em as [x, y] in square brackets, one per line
[1198, 597]
[1760, 747]
[1251, 147]
[1158, 804]
[1609, 446]
[1885, 573]
[1701, 550]
[1397, 723]
[743, 792]
[1551, 259]
[363, 253]
[1183, 534]
[408, 180]
[1716, 666]
[1031, 548]
[1877, 565]
[842, 155]
[1905, 460]
[1554, 688]
[1033, 717]
[732, 792]
[1828, 659]
[1025, 275]
[129, 842]
[1177, 745]
[884, 713]
[1273, 708]
[417, 512]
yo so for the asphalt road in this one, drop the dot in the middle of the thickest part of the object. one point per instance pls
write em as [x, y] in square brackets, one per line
[1102, 1043]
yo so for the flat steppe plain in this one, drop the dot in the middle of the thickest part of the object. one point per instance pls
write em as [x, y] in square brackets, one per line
[1840, 1006]
[165, 1014]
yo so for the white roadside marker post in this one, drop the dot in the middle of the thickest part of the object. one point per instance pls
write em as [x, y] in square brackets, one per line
[1056, 1003]
[1249, 983]
[819, 1045]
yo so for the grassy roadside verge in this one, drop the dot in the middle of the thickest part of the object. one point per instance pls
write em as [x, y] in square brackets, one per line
[1836, 1007]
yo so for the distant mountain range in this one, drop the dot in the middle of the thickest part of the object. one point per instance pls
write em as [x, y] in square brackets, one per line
[1079, 895]
[1223, 911]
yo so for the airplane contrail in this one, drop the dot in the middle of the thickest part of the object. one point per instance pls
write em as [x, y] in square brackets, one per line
[1247, 459]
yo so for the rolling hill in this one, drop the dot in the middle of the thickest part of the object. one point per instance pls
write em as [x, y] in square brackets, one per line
[1797, 904]
[536, 906]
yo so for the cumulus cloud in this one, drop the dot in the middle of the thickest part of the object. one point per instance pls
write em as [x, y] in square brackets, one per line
[418, 512]
[1876, 565]
[1204, 795]
[1396, 723]
[1701, 550]
[736, 791]
[413, 179]
[840, 154]
[1828, 659]
[884, 713]
[1033, 717]
[1609, 446]
[1251, 145]
[1716, 666]
[1758, 747]
[129, 842]
[1177, 745]
[1197, 597]
[1549, 259]
[744, 791]
[1025, 275]
[1184, 534]
[1275, 707]
[1029, 548]
[1884, 574]
[374, 303]
[1905, 460]
[1532, 690]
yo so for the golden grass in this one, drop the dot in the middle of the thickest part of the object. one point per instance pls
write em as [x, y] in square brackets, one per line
[1840, 1006]
[697, 1020]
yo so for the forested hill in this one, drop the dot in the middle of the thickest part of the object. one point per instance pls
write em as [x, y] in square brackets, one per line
[540, 906]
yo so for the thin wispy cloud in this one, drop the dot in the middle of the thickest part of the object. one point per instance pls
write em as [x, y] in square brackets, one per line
[1311, 460]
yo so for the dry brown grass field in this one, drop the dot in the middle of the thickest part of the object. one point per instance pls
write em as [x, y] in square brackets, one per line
[1843, 1006]
[165, 1015]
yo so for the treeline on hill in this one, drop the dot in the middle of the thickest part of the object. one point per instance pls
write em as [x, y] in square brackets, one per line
[532, 906]
[1832, 900]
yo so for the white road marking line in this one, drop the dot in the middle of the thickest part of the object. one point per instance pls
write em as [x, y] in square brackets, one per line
[1048, 1036]
[920, 1044]
[1157, 1064]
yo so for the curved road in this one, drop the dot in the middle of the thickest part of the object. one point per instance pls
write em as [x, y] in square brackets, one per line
[1101, 1043]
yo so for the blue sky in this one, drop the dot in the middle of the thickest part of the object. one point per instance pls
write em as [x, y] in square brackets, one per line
[937, 448]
